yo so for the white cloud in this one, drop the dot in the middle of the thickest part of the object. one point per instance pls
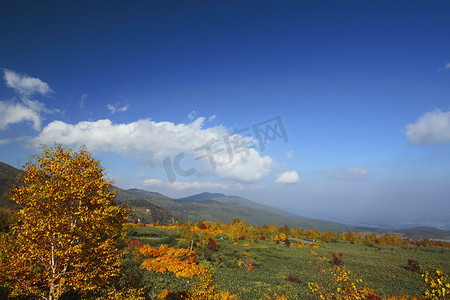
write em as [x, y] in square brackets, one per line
[288, 177]
[432, 127]
[152, 182]
[211, 118]
[184, 185]
[11, 113]
[24, 84]
[140, 175]
[191, 115]
[345, 173]
[245, 168]
[117, 108]
[29, 110]
[156, 141]
[289, 154]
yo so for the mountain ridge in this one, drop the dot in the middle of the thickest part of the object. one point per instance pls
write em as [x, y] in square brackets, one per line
[217, 206]
[153, 206]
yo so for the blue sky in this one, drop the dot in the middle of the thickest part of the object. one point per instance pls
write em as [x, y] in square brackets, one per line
[361, 89]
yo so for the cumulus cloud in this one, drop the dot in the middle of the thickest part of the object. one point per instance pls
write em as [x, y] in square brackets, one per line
[345, 173]
[288, 177]
[11, 113]
[432, 127]
[211, 118]
[156, 142]
[152, 182]
[25, 85]
[28, 110]
[117, 108]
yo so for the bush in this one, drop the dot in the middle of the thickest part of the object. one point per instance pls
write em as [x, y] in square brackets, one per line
[337, 259]
[413, 265]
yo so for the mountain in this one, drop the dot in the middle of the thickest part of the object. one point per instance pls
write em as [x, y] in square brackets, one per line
[421, 232]
[216, 206]
[148, 192]
[243, 202]
[203, 196]
[145, 206]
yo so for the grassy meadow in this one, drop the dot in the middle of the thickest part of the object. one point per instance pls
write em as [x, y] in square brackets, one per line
[256, 270]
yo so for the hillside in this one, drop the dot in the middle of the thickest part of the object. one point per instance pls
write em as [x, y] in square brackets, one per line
[244, 202]
[8, 175]
[421, 232]
[144, 210]
[215, 206]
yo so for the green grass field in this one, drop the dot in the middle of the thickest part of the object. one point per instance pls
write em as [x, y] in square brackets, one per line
[381, 268]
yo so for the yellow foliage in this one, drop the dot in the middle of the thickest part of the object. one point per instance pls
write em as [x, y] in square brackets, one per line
[129, 294]
[438, 286]
[65, 237]
[205, 288]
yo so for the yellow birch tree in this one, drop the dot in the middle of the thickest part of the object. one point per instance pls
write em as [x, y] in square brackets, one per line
[66, 234]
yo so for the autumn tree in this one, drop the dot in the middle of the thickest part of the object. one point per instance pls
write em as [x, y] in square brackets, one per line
[67, 230]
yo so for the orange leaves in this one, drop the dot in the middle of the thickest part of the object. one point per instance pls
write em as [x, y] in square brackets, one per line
[181, 262]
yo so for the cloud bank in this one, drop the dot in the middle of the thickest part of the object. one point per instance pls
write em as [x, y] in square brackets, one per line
[153, 142]
[432, 127]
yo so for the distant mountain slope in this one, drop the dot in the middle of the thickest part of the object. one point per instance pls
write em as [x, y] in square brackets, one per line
[421, 232]
[241, 201]
[145, 207]
[156, 194]
[203, 196]
[8, 175]
[215, 206]
[428, 229]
